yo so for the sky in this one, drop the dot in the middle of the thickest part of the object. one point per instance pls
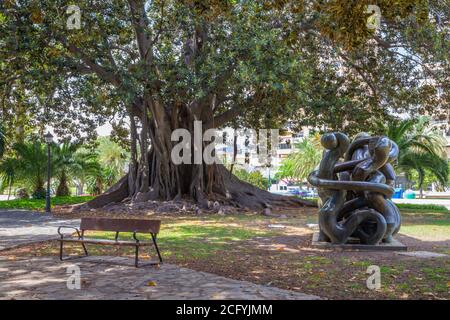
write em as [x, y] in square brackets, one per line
[104, 130]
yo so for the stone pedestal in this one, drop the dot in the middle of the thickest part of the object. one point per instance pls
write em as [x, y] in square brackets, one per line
[353, 244]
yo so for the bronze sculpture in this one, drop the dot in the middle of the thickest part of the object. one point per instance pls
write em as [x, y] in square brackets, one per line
[356, 193]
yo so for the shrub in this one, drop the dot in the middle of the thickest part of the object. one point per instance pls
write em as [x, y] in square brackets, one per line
[22, 193]
[39, 194]
[62, 190]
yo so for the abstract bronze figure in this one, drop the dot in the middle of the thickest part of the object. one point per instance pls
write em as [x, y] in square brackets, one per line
[356, 193]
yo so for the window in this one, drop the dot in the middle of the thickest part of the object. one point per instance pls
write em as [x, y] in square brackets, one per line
[284, 146]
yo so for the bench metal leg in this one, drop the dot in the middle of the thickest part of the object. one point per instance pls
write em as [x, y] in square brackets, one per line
[61, 247]
[61, 243]
[136, 257]
[156, 247]
[85, 249]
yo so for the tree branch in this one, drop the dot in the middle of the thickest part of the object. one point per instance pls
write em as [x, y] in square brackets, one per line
[140, 23]
[227, 116]
[361, 72]
[104, 74]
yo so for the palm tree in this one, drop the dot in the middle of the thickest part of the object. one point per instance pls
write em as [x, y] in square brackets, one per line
[421, 149]
[86, 166]
[101, 168]
[63, 161]
[8, 174]
[113, 158]
[423, 162]
[31, 165]
[96, 182]
[70, 165]
[286, 170]
[300, 163]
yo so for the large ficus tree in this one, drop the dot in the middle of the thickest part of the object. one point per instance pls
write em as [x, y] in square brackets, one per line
[160, 65]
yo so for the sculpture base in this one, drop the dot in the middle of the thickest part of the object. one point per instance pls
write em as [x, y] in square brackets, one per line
[354, 244]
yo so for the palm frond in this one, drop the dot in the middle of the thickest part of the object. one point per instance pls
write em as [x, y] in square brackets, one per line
[420, 148]
[7, 172]
[304, 160]
[31, 163]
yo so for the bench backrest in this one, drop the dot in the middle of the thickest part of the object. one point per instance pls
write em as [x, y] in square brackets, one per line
[121, 225]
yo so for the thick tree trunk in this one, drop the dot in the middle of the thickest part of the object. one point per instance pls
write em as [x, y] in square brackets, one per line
[80, 188]
[132, 169]
[39, 190]
[62, 189]
[9, 190]
[226, 189]
[421, 177]
[156, 177]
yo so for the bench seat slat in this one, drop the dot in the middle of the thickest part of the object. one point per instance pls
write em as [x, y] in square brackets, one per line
[121, 225]
[108, 242]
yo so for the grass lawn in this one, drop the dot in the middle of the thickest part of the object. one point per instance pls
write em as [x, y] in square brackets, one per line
[244, 247]
[421, 207]
[39, 204]
[413, 207]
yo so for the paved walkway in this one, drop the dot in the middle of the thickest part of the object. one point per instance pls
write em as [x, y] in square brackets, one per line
[21, 227]
[5, 197]
[115, 278]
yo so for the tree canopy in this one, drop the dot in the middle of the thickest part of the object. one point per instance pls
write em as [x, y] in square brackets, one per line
[261, 62]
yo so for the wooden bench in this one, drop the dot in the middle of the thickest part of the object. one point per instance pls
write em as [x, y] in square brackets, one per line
[116, 225]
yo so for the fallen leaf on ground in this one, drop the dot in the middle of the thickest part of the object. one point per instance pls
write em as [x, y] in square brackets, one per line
[151, 284]
[279, 226]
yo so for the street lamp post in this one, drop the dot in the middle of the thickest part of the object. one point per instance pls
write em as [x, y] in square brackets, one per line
[48, 139]
[269, 166]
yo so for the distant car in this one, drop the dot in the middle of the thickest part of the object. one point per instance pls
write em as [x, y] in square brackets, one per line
[281, 190]
[312, 194]
[294, 190]
[304, 193]
[297, 191]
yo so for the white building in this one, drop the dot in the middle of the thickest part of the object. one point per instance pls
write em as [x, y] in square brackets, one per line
[247, 157]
